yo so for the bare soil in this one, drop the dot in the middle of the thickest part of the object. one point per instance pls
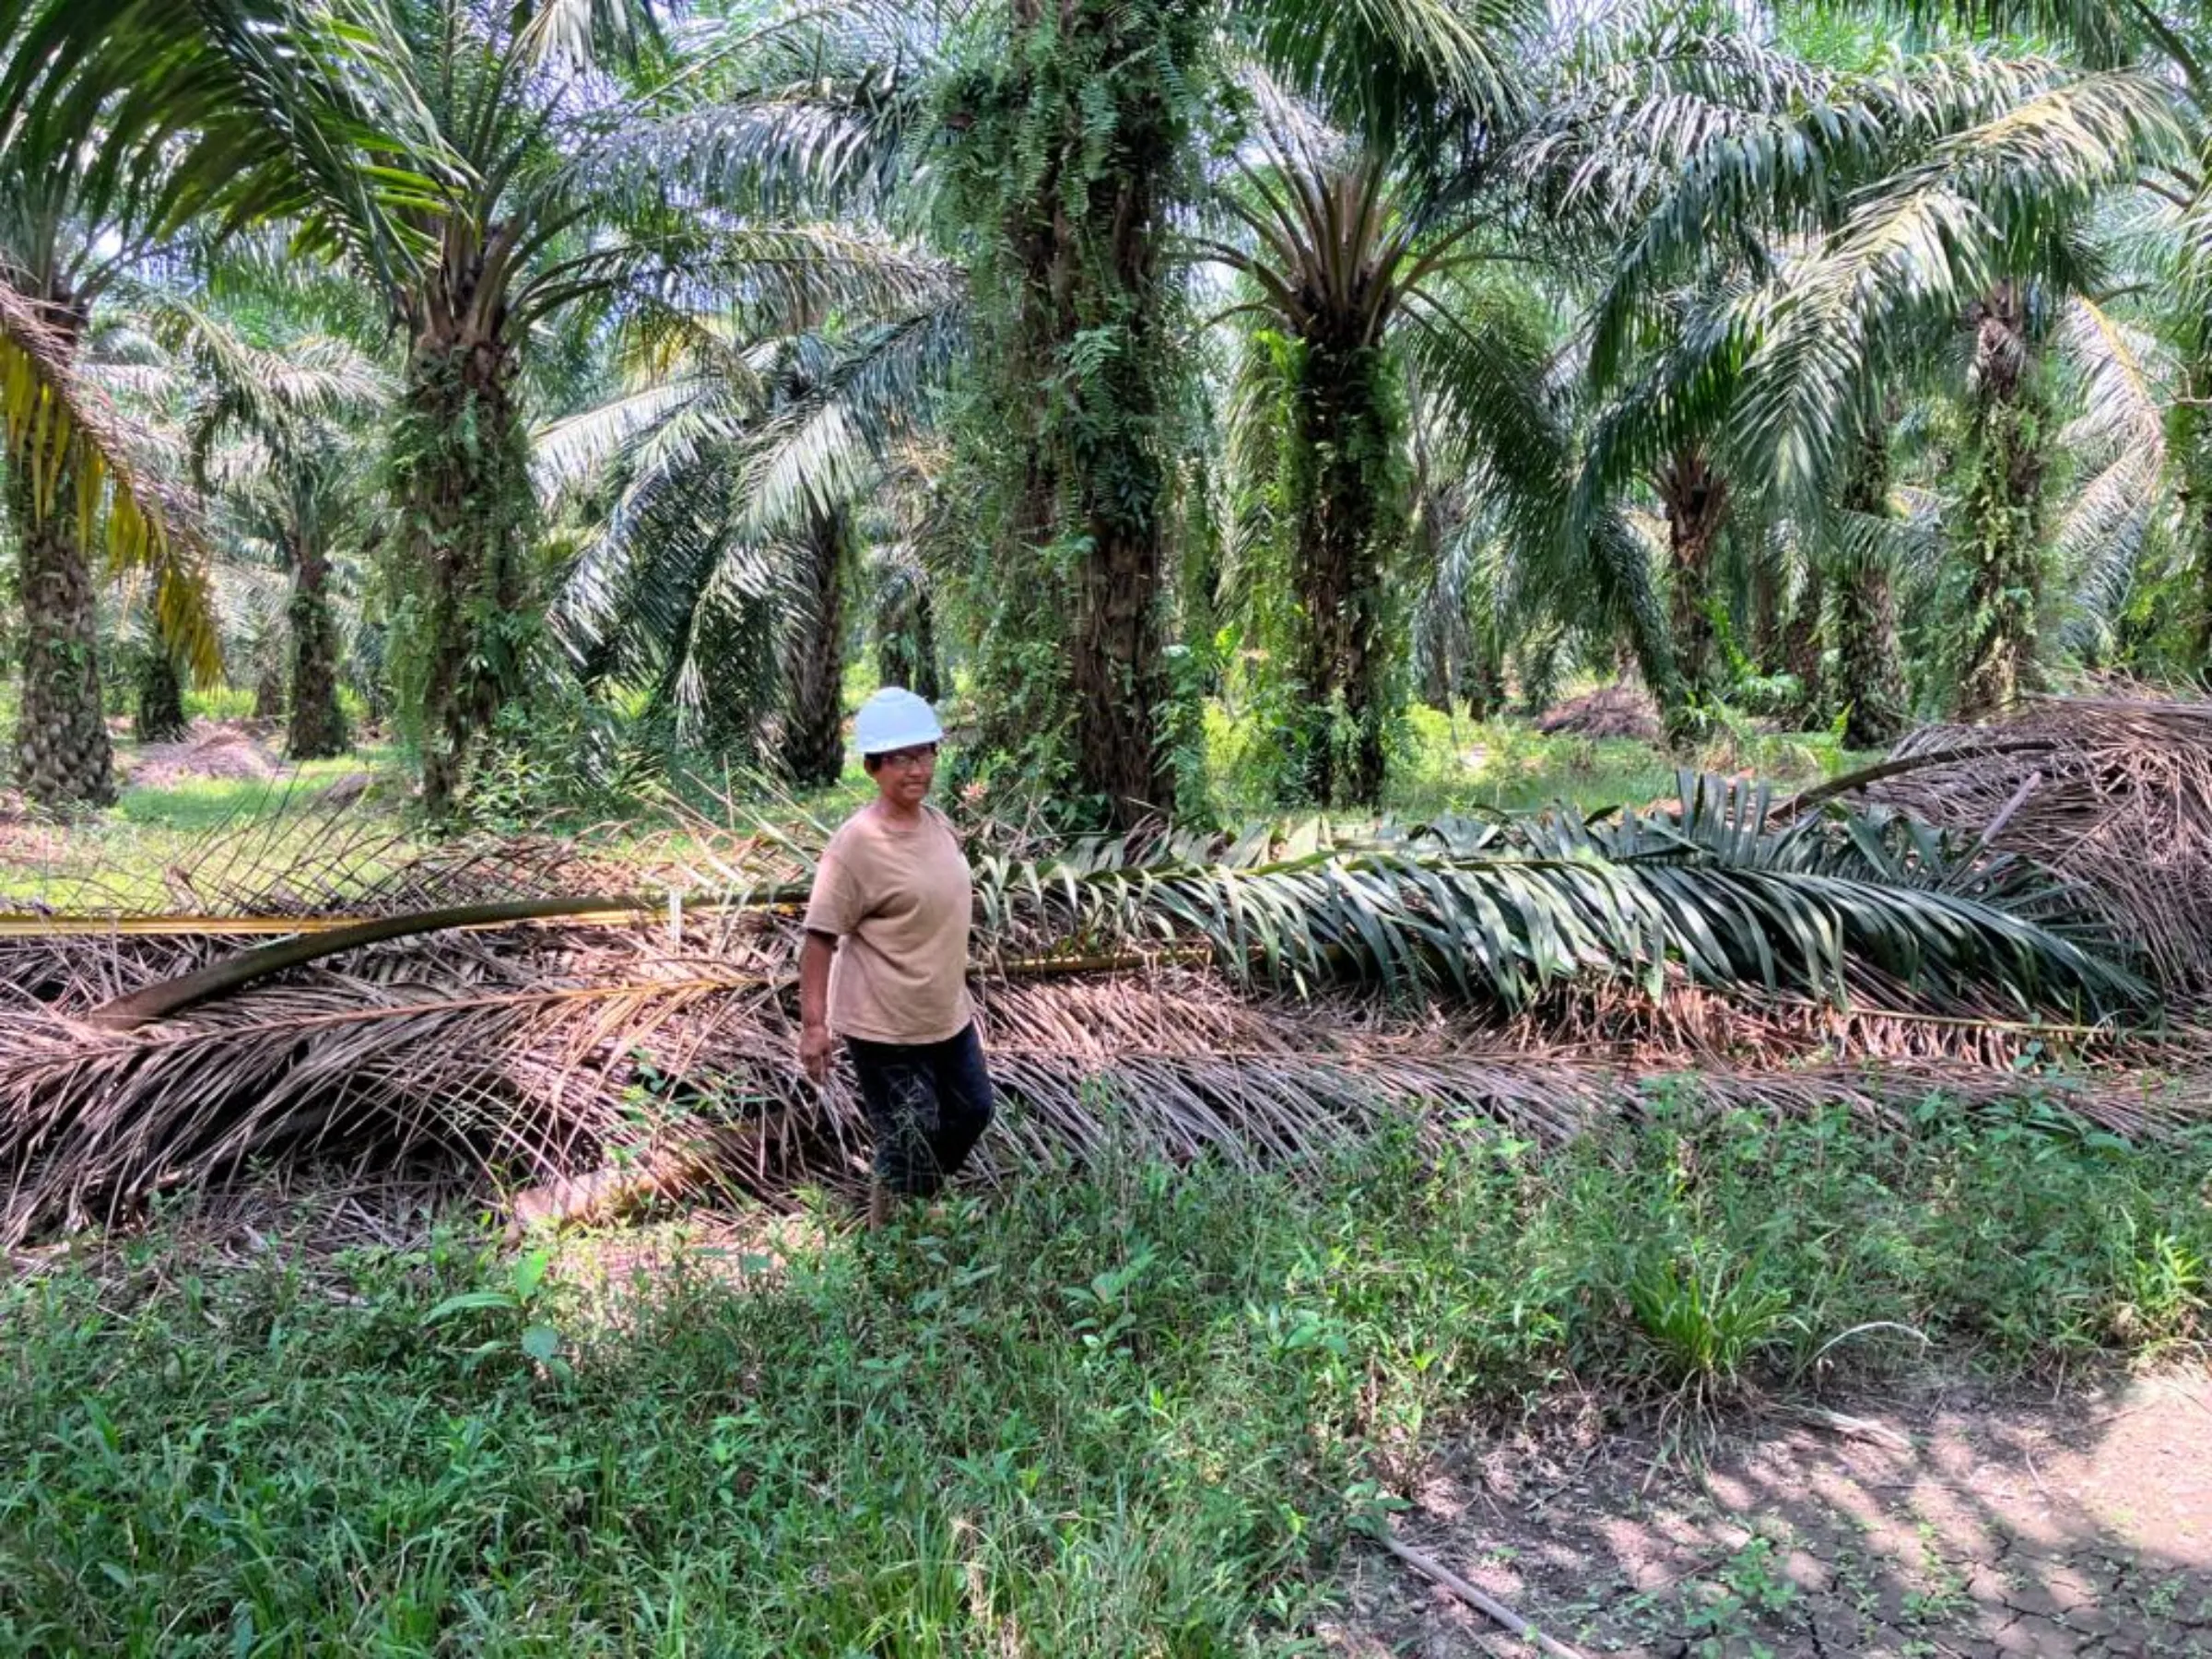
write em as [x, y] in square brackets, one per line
[1942, 1519]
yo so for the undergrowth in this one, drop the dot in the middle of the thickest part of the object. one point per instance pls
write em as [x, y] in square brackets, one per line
[1132, 1411]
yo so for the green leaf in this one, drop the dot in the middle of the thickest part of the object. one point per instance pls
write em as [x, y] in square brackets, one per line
[467, 1301]
[529, 1272]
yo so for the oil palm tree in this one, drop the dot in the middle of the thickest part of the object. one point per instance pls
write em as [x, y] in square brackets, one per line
[790, 430]
[2174, 44]
[1053, 148]
[297, 480]
[1890, 201]
[127, 120]
[511, 123]
[69, 228]
[1353, 274]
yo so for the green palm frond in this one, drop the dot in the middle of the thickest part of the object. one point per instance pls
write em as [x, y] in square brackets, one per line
[582, 33]
[1392, 68]
[829, 443]
[285, 397]
[1507, 909]
[60, 433]
[569, 454]
[2118, 444]
[1988, 203]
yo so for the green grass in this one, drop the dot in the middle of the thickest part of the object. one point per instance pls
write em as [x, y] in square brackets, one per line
[1138, 1412]
[196, 805]
[124, 857]
[1453, 764]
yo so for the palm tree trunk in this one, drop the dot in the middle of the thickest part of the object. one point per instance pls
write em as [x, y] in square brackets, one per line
[1084, 347]
[1350, 520]
[1767, 628]
[1697, 501]
[159, 716]
[317, 728]
[814, 659]
[2192, 442]
[1801, 646]
[1486, 680]
[928, 682]
[2002, 522]
[1867, 643]
[462, 480]
[63, 756]
[1438, 671]
[268, 693]
[1624, 572]
[906, 639]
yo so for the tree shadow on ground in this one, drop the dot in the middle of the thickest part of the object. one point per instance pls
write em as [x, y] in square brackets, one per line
[1950, 1519]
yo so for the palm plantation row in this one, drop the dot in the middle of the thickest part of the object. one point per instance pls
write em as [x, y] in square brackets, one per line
[607, 365]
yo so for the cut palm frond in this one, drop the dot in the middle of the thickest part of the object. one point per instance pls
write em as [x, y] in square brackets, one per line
[2112, 794]
[1493, 912]
[544, 1060]
[1255, 998]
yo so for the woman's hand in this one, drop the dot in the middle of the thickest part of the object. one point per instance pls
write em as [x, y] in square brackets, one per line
[814, 1052]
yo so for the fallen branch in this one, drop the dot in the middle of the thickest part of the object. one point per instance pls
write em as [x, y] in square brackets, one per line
[664, 1172]
[1851, 783]
[1489, 1606]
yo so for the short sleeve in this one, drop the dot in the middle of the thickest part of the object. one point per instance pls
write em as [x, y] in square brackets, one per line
[833, 906]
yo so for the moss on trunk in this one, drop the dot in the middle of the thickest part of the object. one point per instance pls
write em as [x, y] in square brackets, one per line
[463, 489]
[1350, 509]
[1075, 149]
[316, 729]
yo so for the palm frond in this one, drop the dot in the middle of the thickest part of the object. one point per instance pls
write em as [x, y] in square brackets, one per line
[829, 443]
[61, 432]
[579, 34]
[1392, 68]
[1496, 911]
[520, 1050]
[568, 454]
[2119, 441]
[535, 1069]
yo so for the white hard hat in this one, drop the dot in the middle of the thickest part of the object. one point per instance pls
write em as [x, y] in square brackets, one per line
[894, 719]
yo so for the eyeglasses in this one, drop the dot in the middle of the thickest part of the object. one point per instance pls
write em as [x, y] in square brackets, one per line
[909, 758]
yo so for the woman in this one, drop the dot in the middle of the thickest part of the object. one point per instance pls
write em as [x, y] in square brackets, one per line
[884, 962]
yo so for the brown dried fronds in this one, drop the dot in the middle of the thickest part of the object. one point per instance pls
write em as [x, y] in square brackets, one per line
[2113, 794]
[1609, 712]
[545, 1056]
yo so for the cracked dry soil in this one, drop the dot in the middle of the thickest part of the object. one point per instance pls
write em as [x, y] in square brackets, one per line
[1955, 1521]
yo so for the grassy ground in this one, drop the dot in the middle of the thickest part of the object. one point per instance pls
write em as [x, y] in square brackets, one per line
[129, 857]
[1136, 1412]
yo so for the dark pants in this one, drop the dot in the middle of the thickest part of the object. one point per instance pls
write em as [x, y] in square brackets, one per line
[927, 1103]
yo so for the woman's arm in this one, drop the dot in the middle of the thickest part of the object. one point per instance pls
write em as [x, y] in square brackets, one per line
[814, 1003]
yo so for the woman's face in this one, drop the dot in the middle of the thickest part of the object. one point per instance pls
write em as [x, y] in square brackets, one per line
[903, 776]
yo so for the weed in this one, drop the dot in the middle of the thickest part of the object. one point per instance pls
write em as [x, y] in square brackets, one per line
[1704, 1321]
[1133, 1409]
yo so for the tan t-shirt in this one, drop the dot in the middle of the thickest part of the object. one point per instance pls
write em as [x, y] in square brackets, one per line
[899, 900]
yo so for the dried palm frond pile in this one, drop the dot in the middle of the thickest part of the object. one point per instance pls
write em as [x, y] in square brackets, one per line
[1251, 999]
[2112, 794]
[1609, 712]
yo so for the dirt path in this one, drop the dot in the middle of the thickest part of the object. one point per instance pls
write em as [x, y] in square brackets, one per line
[1957, 1522]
